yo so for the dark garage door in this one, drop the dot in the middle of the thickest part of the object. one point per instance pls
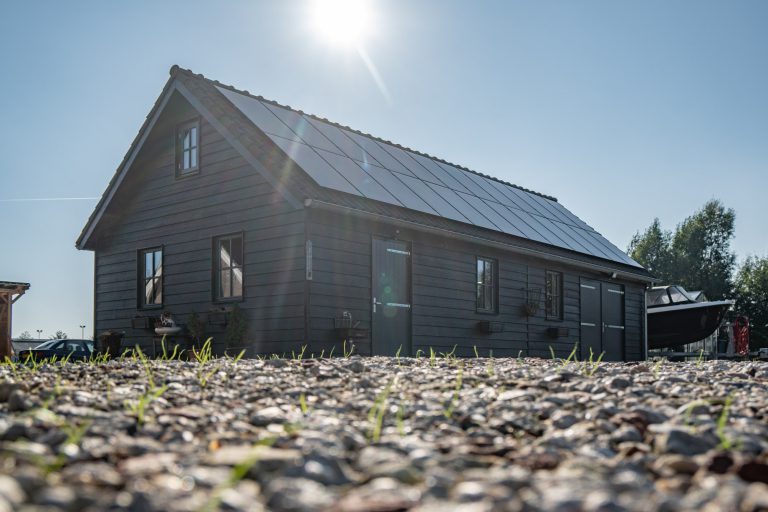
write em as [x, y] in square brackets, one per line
[602, 319]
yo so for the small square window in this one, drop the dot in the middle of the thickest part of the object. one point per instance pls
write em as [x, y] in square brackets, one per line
[228, 267]
[151, 278]
[187, 148]
[554, 295]
[487, 285]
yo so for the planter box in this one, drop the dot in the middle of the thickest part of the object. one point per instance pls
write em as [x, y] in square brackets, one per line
[488, 327]
[144, 322]
[218, 318]
[557, 332]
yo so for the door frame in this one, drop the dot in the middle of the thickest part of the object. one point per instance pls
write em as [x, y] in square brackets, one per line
[408, 346]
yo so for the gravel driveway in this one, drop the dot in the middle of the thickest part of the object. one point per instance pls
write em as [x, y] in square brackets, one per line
[384, 434]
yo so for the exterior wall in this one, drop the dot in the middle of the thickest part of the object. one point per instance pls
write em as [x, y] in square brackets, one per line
[154, 208]
[443, 293]
[341, 280]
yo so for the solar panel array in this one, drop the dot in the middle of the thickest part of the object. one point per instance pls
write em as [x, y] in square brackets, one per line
[344, 160]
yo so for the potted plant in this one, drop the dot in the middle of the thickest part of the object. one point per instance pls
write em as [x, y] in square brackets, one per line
[237, 327]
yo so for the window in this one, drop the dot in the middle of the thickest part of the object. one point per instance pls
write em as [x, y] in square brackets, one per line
[151, 278]
[554, 295]
[187, 148]
[486, 285]
[228, 272]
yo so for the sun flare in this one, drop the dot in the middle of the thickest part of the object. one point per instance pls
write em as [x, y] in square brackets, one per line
[342, 22]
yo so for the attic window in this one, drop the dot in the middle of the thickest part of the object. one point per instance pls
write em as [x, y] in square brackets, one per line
[187, 148]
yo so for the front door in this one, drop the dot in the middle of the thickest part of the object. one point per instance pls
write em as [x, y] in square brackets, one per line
[602, 320]
[391, 301]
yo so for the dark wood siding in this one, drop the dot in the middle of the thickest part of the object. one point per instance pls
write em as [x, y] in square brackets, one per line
[153, 208]
[341, 279]
[443, 293]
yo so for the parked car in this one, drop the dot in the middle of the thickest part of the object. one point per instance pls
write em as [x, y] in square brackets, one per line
[80, 350]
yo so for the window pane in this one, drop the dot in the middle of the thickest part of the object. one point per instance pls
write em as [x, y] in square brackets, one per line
[193, 157]
[158, 262]
[193, 137]
[158, 288]
[185, 160]
[237, 282]
[237, 251]
[225, 261]
[186, 140]
[147, 264]
[225, 289]
[148, 292]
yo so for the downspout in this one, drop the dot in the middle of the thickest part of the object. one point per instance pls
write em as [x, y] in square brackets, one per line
[645, 321]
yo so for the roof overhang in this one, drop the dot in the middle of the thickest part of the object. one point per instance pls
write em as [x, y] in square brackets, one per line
[611, 271]
[10, 288]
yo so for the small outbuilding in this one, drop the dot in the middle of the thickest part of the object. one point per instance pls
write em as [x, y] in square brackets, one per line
[321, 234]
[10, 292]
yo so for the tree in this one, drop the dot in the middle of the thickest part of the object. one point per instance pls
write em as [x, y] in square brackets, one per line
[25, 336]
[697, 255]
[701, 250]
[751, 294]
[653, 250]
[60, 335]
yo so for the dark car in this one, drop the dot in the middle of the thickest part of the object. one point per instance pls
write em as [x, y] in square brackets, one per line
[79, 350]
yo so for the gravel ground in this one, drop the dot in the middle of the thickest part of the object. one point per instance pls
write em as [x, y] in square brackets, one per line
[382, 434]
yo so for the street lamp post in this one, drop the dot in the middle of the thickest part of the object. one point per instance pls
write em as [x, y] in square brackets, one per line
[82, 332]
[39, 334]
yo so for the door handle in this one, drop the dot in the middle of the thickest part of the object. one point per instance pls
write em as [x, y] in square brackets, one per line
[375, 303]
[603, 326]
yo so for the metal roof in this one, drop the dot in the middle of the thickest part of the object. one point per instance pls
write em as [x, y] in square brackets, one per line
[342, 159]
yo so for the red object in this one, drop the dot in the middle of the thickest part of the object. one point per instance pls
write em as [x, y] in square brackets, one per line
[741, 335]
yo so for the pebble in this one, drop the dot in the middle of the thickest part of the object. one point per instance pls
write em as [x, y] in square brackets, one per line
[363, 434]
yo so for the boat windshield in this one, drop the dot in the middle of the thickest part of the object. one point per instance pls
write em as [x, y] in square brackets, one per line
[668, 295]
[678, 294]
[658, 297]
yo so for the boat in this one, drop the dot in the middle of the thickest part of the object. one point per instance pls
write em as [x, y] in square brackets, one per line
[676, 318]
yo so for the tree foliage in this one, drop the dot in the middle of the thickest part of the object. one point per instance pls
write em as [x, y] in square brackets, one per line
[25, 336]
[60, 335]
[701, 250]
[652, 249]
[751, 294]
[697, 255]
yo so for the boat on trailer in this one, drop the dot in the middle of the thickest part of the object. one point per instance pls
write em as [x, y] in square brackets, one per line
[676, 318]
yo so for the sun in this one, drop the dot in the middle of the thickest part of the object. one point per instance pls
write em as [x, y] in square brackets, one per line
[342, 22]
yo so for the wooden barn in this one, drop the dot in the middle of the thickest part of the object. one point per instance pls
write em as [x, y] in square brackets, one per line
[319, 233]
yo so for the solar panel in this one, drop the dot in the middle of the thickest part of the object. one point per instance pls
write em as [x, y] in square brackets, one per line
[301, 127]
[259, 114]
[363, 181]
[373, 148]
[347, 161]
[310, 161]
[344, 144]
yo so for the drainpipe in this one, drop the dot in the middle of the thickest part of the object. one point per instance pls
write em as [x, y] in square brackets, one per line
[645, 321]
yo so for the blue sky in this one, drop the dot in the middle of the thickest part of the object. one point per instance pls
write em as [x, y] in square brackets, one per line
[625, 111]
